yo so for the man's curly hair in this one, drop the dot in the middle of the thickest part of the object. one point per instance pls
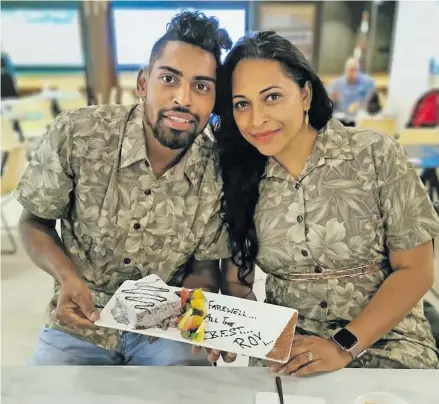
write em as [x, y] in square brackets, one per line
[193, 27]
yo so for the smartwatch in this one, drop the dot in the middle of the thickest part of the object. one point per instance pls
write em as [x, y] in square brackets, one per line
[348, 342]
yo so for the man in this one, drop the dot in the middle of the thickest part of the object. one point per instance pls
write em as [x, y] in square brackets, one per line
[137, 193]
[351, 92]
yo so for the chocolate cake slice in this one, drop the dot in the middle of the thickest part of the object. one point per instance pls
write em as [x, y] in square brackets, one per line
[146, 303]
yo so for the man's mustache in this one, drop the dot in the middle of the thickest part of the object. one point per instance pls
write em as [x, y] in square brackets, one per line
[195, 117]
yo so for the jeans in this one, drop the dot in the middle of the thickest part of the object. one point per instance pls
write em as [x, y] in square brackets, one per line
[56, 348]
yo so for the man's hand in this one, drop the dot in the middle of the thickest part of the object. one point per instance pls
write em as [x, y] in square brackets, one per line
[213, 355]
[75, 306]
[311, 355]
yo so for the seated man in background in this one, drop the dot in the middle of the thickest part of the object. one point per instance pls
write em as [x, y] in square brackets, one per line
[137, 193]
[352, 91]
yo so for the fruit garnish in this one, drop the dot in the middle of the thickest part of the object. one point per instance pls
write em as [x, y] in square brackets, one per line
[198, 294]
[185, 294]
[199, 335]
[199, 305]
[184, 320]
[193, 323]
[197, 312]
[186, 334]
[194, 307]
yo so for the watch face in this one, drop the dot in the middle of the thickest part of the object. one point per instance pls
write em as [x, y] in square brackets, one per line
[345, 339]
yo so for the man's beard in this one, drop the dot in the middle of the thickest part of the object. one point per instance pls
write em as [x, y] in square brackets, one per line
[173, 138]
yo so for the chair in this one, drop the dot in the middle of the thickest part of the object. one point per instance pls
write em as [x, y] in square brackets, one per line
[386, 125]
[14, 159]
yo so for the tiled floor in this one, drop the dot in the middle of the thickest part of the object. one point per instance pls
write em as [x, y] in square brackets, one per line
[26, 291]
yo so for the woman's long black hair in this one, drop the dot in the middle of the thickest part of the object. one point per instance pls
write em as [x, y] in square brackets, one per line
[242, 165]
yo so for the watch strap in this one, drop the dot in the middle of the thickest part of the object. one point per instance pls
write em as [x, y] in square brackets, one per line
[356, 352]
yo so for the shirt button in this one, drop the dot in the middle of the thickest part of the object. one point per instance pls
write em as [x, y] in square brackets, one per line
[304, 253]
[147, 192]
[333, 325]
[323, 305]
[126, 261]
[297, 186]
[318, 270]
[137, 226]
[299, 219]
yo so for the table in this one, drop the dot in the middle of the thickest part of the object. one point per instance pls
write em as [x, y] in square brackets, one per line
[423, 156]
[189, 385]
[58, 95]
[29, 83]
[426, 157]
[21, 116]
[45, 94]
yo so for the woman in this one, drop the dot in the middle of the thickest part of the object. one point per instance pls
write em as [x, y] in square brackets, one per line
[337, 217]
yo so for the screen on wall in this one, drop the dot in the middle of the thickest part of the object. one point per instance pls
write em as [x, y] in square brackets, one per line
[42, 37]
[136, 30]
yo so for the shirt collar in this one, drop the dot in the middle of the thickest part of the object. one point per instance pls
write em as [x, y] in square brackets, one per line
[133, 143]
[191, 165]
[332, 143]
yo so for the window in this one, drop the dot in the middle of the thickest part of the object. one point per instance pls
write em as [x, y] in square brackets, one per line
[42, 37]
[137, 26]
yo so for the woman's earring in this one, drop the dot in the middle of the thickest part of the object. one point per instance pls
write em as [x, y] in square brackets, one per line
[306, 118]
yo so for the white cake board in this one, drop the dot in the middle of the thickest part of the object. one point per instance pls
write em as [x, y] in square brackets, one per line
[240, 326]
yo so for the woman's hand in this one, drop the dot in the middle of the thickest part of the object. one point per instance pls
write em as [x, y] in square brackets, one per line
[311, 355]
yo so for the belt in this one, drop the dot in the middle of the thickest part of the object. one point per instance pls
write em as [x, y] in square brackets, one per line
[319, 272]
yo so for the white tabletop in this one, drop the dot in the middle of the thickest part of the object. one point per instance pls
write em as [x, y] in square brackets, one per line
[45, 94]
[184, 385]
[21, 116]
[55, 94]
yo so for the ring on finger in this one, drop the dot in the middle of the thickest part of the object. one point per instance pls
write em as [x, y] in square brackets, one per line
[309, 356]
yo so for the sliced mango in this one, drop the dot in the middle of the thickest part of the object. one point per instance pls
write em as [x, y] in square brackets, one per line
[198, 294]
[193, 323]
[183, 321]
[201, 305]
[199, 335]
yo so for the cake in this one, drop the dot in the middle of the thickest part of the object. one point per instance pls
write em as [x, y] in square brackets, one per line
[146, 303]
